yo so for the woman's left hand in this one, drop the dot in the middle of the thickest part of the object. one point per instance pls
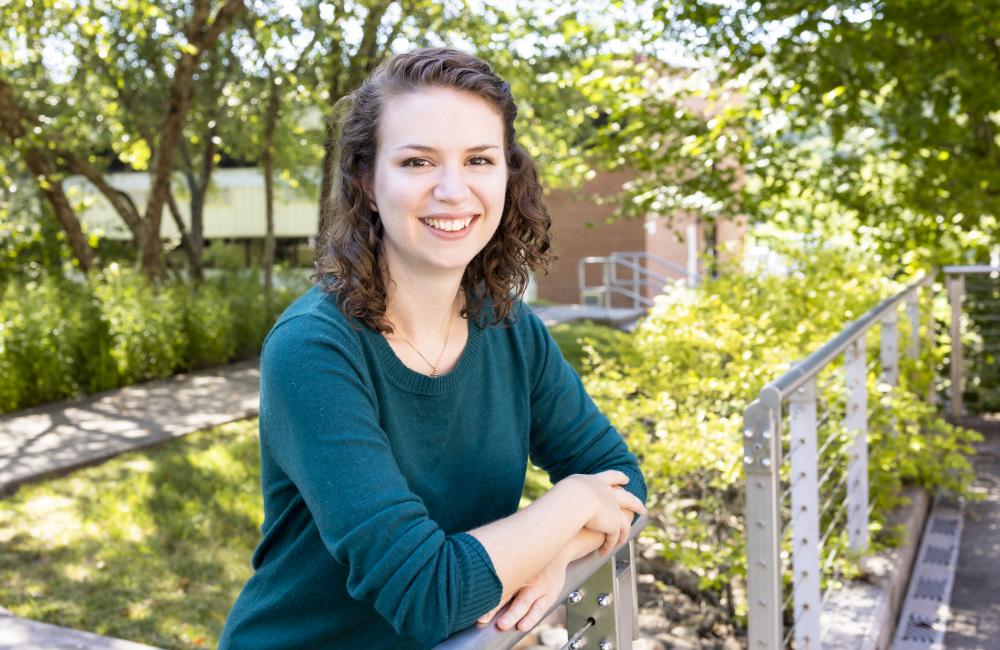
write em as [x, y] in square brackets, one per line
[532, 601]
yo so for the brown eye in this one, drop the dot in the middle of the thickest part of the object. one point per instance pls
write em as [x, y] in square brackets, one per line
[415, 162]
[480, 161]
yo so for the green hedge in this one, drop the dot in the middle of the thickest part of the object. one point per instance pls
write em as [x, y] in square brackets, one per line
[61, 338]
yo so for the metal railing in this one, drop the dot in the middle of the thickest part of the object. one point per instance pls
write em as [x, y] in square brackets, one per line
[792, 510]
[628, 274]
[601, 605]
[974, 295]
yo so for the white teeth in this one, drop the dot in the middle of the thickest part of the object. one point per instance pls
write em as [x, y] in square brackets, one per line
[448, 225]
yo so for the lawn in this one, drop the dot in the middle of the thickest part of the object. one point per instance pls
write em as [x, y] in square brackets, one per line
[154, 546]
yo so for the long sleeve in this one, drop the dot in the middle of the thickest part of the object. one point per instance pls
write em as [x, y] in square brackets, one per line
[569, 434]
[320, 423]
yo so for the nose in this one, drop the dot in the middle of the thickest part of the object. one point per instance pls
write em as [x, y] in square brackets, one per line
[451, 186]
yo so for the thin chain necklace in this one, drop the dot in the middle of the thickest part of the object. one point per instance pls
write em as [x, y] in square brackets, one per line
[434, 366]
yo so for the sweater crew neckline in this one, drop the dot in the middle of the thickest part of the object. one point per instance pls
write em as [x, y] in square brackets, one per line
[416, 382]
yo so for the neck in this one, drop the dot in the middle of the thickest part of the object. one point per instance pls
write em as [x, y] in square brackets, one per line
[420, 308]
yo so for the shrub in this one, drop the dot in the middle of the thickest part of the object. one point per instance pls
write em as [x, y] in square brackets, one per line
[60, 338]
[678, 386]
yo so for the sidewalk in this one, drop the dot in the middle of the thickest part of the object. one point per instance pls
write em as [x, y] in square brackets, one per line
[61, 436]
[58, 437]
[975, 598]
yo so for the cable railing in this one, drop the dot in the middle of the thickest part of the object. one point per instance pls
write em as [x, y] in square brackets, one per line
[974, 296]
[806, 462]
[629, 274]
[601, 601]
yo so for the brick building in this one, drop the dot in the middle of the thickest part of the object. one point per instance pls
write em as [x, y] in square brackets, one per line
[580, 229]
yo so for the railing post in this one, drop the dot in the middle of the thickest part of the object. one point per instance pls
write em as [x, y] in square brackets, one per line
[692, 254]
[913, 314]
[805, 514]
[956, 294]
[606, 281]
[856, 423]
[762, 460]
[890, 348]
[605, 607]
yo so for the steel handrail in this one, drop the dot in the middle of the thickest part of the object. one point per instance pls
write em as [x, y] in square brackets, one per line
[775, 391]
[490, 637]
[975, 268]
[642, 270]
[662, 261]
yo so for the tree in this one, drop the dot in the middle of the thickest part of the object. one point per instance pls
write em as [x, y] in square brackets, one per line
[90, 105]
[893, 106]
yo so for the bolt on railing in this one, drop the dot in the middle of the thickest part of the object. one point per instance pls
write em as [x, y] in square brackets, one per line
[820, 504]
[602, 606]
[974, 295]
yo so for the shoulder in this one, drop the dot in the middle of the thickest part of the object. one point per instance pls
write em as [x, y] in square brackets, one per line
[312, 323]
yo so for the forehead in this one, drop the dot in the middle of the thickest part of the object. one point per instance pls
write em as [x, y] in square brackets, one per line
[439, 117]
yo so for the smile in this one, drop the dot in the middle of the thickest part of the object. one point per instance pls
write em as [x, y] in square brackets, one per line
[449, 225]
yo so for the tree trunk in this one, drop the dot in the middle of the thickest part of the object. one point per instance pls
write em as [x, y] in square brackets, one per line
[52, 189]
[202, 37]
[270, 125]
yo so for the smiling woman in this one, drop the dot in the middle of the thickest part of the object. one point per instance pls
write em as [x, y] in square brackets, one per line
[402, 397]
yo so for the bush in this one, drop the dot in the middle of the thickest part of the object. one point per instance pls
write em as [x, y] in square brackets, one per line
[678, 386]
[60, 338]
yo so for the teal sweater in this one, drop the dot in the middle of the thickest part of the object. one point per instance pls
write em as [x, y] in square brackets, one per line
[372, 472]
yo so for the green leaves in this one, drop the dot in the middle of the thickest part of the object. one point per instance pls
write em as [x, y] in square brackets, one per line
[678, 386]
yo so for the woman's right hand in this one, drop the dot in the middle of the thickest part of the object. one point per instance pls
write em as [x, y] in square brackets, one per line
[611, 505]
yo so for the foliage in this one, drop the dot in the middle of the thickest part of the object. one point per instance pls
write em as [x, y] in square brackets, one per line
[152, 546]
[571, 338]
[678, 387]
[885, 112]
[61, 338]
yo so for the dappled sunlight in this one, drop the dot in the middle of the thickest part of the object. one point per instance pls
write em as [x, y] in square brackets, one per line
[158, 539]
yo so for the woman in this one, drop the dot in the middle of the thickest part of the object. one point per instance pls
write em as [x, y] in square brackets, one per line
[402, 396]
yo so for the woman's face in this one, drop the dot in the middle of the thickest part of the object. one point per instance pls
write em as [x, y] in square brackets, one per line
[440, 179]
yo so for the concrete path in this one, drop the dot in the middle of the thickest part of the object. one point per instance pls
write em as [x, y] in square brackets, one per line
[975, 598]
[614, 316]
[20, 634]
[58, 437]
[61, 436]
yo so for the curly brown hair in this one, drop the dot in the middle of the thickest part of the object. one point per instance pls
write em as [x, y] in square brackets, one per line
[350, 262]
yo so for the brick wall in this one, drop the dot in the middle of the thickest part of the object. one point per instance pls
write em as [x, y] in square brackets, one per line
[579, 229]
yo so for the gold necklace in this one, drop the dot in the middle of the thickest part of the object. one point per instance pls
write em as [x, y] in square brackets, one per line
[434, 370]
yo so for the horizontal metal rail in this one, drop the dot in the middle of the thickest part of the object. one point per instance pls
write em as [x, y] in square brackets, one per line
[578, 573]
[825, 501]
[809, 367]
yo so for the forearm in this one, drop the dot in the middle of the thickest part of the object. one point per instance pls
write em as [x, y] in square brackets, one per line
[523, 544]
[583, 544]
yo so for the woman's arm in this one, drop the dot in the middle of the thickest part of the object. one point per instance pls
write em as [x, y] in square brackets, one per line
[523, 544]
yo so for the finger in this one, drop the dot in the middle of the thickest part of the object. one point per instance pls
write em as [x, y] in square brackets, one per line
[629, 501]
[522, 603]
[535, 614]
[488, 616]
[612, 477]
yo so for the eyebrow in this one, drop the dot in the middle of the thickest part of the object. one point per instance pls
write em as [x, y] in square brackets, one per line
[422, 147]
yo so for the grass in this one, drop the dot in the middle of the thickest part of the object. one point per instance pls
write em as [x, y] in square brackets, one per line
[569, 337]
[152, 546]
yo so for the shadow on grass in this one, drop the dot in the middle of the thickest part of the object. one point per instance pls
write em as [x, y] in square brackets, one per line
[152, 547]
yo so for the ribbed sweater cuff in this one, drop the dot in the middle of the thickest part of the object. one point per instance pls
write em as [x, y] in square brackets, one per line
[479, 587]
